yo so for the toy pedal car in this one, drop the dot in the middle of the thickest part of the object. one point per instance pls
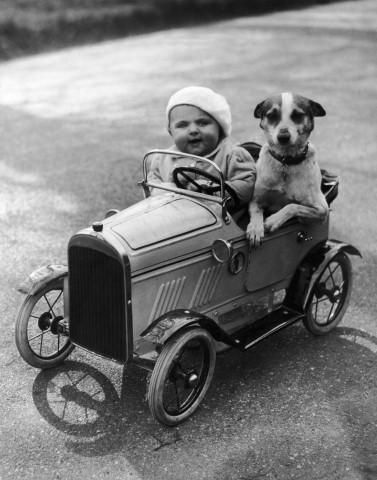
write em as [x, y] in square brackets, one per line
[170, 281]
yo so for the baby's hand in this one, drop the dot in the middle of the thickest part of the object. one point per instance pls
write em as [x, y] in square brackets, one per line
[197, 185]
[184, 179]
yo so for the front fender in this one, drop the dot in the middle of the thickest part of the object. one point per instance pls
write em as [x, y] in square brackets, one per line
[328, 251]
[41, 276]
[161, 329]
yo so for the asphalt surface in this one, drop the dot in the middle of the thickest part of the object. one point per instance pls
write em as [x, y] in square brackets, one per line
[74, 126]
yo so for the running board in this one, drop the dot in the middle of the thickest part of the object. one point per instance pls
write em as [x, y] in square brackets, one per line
[268, 325]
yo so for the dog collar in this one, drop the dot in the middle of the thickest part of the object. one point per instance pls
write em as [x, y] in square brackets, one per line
[290, 159]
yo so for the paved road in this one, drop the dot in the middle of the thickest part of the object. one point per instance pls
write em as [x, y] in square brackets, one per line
[74, 125]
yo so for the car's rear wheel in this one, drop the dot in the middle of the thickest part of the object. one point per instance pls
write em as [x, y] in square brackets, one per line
[181, 376]
[330, 296]
[39, 336]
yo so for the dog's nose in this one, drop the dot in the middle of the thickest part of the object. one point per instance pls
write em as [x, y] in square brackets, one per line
[284, 136]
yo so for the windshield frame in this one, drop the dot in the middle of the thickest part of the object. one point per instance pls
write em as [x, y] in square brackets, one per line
[202, 196]
[217, 199]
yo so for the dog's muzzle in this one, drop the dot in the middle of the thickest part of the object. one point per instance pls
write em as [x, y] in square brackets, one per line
[284, 138]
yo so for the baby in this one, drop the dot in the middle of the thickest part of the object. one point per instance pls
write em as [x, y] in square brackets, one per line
[199, 121]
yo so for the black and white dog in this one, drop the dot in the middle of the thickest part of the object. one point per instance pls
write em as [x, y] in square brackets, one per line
[288, 182]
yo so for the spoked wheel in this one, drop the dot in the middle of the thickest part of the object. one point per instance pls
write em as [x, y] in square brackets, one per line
[39, 336]
[181, 376]
[330, 296]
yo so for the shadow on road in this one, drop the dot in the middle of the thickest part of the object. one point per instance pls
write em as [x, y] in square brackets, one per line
[293, 377]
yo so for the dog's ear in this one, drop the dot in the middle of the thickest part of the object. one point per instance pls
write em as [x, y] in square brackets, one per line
[317, 109]
[258, 111]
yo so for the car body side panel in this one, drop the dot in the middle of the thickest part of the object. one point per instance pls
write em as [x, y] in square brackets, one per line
[281, 253]
[200, 283]
[203, 284]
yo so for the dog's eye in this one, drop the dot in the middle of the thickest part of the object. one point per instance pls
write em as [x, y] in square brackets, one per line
[273, 116]
[297, 116]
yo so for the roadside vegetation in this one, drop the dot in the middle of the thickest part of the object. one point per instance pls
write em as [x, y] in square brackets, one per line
[30, 26]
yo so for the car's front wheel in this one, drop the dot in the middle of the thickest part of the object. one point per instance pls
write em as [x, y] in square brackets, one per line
[39, 337]
[181, 376]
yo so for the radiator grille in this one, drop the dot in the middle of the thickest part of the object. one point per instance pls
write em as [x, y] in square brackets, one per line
[97, 302]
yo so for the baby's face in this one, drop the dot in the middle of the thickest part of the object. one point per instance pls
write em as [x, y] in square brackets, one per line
[193, 130]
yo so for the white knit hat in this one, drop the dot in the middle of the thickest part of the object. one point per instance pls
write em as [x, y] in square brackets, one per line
[207, 100]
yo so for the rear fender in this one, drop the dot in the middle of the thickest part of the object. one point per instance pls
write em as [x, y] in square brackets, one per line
[323, 257]
[164, 327]
[38, 278]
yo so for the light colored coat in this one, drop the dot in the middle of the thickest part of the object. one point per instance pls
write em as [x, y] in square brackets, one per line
[235, 162]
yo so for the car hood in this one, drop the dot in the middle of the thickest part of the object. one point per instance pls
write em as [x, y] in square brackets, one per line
[159, 219]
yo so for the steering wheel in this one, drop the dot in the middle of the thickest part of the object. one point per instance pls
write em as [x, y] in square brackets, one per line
[186, 172]
[189, 174]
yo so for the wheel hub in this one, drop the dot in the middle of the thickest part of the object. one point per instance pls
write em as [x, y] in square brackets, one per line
[44, 321]
[191, 379]
[336, 294]
[55, 325]
[332, 294]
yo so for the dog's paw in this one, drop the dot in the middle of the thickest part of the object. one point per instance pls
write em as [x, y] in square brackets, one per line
[272, 223]
[255, 234]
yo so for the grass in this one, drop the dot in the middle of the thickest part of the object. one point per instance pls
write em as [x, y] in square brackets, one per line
[30, 26]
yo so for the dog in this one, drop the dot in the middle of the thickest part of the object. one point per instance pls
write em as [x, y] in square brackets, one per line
[288, 182]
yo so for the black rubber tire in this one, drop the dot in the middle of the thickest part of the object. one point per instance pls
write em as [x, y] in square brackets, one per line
[198, 346]
[33, 346]
[330, 296]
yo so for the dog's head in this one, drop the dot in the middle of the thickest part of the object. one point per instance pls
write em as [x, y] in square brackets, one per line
[288, 119]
